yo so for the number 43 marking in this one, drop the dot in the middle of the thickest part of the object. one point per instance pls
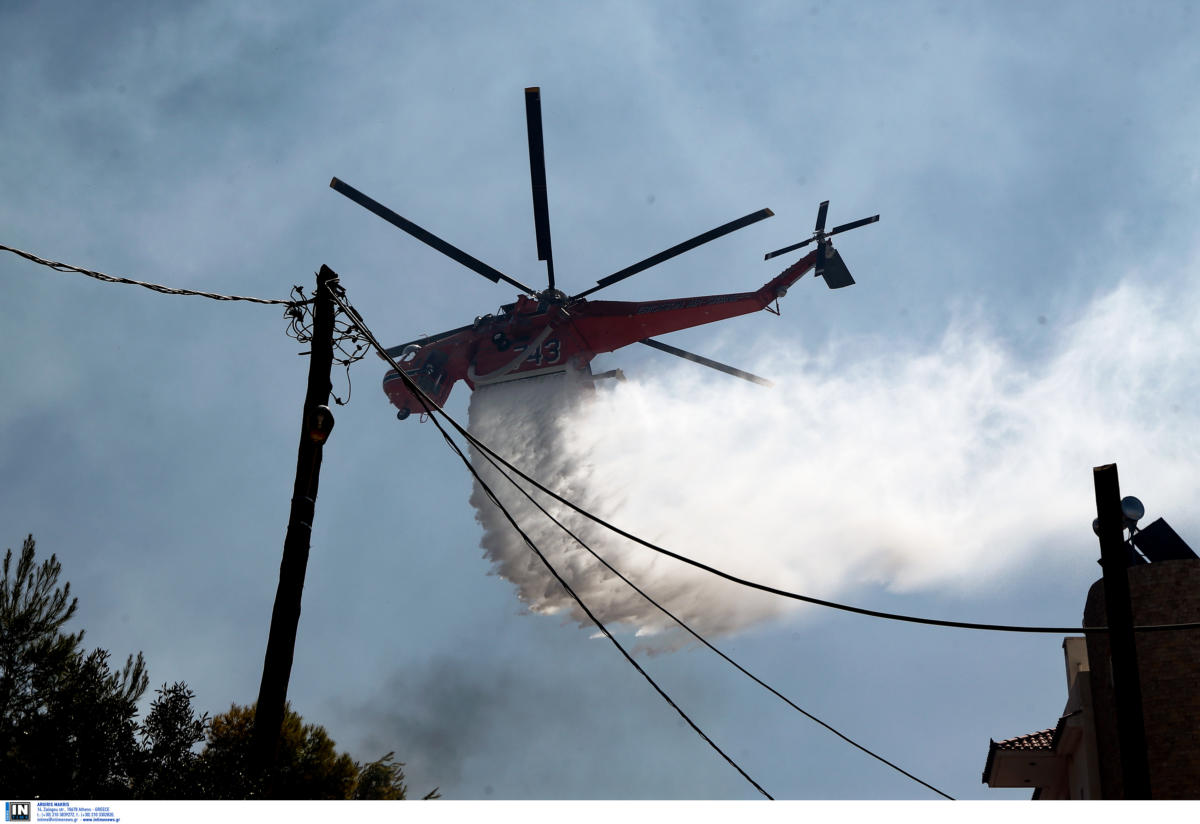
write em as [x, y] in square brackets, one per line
[548, 353]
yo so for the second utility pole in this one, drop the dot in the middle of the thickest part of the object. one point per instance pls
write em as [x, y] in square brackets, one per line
[285, 618]
[1122, 645]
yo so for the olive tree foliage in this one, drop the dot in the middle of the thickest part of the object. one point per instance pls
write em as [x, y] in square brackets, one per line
[384, 780]
[170, 733]
[66, 718]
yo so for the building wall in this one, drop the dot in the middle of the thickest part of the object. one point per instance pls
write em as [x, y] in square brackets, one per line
[1078, 742]
[1166, 592]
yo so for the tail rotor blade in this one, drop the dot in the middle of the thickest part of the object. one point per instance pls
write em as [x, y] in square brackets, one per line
[426, 237]
[854, 224]
[703, 361]
[537, 174]
[822, 210]
[819, 235]
[822, 256]
[679, 249]
[787, 249]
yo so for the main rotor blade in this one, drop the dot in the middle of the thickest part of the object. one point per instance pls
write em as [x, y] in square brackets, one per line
[854, 224]
[787, 249]
[428, 238]
[686, 246]
[537, 175]
[700, 359]
[822, 210]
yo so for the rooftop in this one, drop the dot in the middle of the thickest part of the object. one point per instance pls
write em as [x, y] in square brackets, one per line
[1040, 740]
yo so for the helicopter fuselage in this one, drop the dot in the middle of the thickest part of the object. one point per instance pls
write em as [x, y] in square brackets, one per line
[547, 334]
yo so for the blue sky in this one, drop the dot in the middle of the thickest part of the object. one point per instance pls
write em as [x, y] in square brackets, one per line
[1024, 311]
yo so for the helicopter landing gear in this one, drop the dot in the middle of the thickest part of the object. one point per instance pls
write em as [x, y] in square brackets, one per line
[403, 413]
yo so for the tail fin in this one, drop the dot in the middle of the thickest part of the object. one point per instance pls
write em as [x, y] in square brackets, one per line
[835, 272]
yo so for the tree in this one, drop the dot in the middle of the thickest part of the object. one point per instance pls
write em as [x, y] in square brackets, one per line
[383, 780]
[66, 719]
[32, 646]
[169, 734]
[308, 765]
[84, 743]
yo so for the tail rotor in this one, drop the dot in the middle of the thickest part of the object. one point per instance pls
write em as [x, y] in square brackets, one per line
[829, 264]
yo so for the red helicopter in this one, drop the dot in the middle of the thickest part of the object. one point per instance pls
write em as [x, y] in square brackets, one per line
[546, 331]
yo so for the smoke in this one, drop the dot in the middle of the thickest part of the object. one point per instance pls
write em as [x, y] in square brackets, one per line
[457, 721]
[943, 468]
[453, 709]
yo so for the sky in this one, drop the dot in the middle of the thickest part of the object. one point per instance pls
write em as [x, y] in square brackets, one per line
[1024, 310]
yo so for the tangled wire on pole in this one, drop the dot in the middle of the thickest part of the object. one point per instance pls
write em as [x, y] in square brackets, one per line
[349, 344]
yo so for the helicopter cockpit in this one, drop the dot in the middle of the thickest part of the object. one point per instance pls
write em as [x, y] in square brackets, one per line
[427, 371]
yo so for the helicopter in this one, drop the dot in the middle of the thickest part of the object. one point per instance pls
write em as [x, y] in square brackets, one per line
[546, 331]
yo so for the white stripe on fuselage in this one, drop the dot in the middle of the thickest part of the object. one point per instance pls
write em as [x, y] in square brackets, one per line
[516, 376]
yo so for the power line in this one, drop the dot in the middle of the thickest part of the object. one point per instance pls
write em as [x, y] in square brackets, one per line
[166, 290]
[299, 320]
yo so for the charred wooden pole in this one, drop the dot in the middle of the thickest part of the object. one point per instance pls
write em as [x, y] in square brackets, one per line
[285, 618]
[1127, 686]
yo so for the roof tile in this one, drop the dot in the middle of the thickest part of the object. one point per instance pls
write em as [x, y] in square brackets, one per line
[1040, 740]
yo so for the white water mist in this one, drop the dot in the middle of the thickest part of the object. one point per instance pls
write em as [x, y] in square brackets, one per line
[904, 469]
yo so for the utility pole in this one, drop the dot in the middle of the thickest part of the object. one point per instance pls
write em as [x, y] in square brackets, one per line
[317, 421]
[1127, 686]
